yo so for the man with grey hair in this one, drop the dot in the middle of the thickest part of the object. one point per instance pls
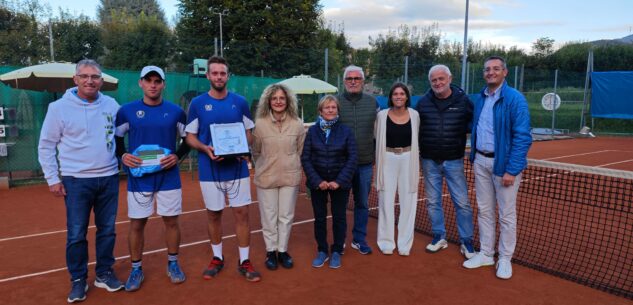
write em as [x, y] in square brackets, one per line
[445, 119]
[358, 111]
[80, 126]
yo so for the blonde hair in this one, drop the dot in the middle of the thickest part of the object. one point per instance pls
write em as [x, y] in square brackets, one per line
[263, 107]
[328, 98]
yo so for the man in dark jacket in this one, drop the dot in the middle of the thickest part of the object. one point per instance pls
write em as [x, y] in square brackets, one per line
[445, 118]
[358, 111]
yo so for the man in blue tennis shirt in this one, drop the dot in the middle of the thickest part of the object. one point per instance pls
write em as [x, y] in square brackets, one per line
[222, 177]
[152, 121]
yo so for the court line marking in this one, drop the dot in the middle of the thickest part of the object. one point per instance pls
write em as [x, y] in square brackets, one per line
[582, 154]
[89, 227]
[195, 243]
[612, 163]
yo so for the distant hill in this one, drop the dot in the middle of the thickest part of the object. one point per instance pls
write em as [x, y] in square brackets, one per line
[623, 40]
[627, 39]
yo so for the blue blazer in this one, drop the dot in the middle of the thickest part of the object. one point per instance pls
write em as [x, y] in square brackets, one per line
[331, 161]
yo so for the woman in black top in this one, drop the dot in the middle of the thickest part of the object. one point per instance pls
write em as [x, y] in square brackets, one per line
[397, 168]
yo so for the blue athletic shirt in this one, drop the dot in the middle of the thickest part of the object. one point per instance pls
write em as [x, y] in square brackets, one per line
[161, 125]
[206, 110]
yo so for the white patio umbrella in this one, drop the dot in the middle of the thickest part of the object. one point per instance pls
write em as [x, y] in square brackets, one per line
[304, 84]
[51, 77]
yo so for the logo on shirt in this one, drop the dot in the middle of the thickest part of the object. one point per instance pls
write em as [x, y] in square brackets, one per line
[233, 106]
[140, 114]
[208, 107]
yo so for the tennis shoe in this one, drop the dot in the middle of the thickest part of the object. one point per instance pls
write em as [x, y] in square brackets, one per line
[78, 291]
[362, 247]
[175, 274]
[246, 269]
[479, 260]
[135, 279]
[438, 243]
[335, 262]
[467, 249]
[215, 266]
[108, 281]
[504, 269]
[320, 260]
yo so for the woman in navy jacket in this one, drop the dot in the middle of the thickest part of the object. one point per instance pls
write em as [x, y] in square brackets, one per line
[329, 161]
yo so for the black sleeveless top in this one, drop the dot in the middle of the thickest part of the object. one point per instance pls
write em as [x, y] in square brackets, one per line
[398, 135]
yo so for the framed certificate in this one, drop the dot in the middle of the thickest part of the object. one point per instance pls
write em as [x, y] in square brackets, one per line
[229, 140]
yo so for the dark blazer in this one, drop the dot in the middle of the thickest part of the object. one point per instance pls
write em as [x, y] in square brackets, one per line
[331, 161]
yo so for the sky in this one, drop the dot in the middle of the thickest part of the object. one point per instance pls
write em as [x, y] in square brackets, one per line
[501, 22]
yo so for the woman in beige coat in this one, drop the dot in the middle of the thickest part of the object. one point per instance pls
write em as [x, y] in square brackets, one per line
[277, 147]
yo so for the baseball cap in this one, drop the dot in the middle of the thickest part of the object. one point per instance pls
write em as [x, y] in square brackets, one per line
[148, 69]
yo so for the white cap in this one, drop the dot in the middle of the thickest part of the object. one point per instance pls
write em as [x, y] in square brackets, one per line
[148, 69]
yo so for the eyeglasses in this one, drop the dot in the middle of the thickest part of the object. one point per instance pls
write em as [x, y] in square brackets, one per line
[496, 69]
[353, 79]
[94, 77]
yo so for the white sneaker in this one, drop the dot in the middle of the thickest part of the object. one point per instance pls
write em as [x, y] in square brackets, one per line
[436, 244]
[468, 254]
[387, 252]
[479, 260]
[504, 269]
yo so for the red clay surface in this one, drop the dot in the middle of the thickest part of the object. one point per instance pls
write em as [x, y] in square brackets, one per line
[421, 278]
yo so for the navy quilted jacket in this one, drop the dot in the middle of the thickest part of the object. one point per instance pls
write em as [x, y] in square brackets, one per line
[331, 161]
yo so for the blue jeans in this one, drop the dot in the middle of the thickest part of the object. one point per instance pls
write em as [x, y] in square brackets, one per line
[361, 185]
[453, 171]
[82, 196]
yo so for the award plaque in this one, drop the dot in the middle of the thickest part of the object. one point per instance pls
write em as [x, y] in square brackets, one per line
[151, 157]
[229, 140]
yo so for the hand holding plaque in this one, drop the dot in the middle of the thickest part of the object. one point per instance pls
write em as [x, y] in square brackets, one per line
[229, 140]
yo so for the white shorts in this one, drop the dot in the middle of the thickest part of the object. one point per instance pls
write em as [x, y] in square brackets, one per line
[238, 192]
[141, 204]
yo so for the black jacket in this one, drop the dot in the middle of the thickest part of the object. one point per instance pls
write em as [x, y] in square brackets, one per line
[444, 125]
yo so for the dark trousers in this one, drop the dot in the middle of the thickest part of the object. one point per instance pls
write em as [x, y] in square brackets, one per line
[83, 195]
[338, 200]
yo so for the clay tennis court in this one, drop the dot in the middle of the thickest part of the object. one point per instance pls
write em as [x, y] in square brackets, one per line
[32, 243]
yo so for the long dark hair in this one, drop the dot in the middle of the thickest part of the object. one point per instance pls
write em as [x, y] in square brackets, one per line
[406, 91]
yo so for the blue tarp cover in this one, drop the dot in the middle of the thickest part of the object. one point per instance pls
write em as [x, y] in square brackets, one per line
[612, 95]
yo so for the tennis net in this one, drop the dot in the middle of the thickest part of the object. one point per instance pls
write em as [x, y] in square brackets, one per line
[574, 222]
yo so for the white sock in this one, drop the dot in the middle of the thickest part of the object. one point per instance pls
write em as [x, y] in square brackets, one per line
[244, 254]
[217, 250]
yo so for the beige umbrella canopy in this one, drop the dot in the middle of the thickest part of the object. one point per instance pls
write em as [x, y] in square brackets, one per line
[51, 77]
[304, 84]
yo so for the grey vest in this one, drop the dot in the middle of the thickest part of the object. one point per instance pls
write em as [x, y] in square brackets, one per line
[359, 116]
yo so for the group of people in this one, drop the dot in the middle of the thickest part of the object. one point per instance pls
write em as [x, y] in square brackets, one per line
[82, 143]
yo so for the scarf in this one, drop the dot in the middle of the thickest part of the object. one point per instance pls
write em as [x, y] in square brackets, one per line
[326, 126]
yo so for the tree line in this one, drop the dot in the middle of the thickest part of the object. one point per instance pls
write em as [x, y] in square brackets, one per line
[271, 38]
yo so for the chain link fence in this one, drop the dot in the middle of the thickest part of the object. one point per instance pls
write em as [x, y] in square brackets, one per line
[24, 110]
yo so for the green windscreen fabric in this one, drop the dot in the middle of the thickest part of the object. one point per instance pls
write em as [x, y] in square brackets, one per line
[25, 110]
